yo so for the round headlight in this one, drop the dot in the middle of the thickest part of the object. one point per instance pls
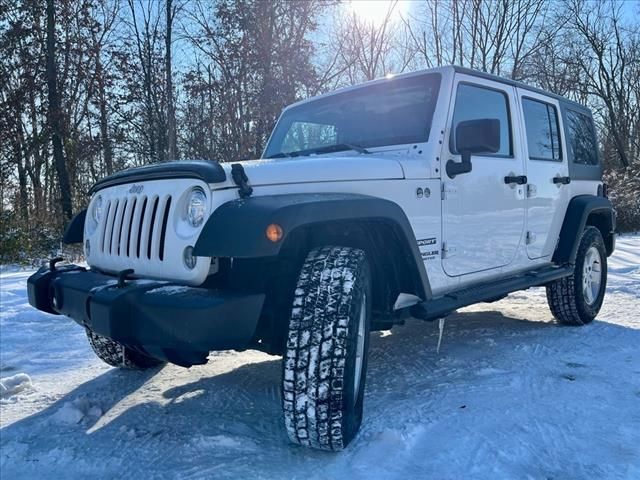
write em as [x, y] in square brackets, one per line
[96, 209]
[196, 207]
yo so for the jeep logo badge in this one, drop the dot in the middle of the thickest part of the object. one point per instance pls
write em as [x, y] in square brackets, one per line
[136, 188]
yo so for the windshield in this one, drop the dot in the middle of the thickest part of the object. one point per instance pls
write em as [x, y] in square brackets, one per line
[393, 112]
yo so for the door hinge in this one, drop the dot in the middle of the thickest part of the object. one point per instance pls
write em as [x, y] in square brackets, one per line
[447, 191]
[531, 237]
[532, 190]
[447, 250]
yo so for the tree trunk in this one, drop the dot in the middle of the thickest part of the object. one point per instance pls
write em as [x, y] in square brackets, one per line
[107, 150]
[22, 162]
[35, 169]
[171, 113]
[55, 114]
[22, 182]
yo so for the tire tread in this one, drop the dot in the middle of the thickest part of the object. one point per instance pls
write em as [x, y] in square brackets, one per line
[117, 355]
[564, 295]
[316, 350]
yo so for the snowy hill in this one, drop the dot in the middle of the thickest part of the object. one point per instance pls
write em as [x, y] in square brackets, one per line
[511, 395]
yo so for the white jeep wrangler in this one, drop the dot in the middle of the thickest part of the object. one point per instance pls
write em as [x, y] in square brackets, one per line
[407, 196]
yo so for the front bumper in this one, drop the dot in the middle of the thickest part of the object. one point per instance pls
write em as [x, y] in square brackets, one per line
[160, 317]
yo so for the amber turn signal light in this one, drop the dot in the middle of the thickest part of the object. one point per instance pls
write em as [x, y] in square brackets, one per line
[274, 232]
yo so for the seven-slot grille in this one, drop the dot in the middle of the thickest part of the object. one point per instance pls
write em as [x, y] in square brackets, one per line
[135, 226]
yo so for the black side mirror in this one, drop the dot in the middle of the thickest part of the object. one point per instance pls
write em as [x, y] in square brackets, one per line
[474, 137]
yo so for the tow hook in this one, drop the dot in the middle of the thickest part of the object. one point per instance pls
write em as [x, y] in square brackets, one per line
[53, 261]
[122, 276]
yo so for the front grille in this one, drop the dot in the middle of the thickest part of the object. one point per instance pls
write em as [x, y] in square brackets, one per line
[142, 228]
[135, 227]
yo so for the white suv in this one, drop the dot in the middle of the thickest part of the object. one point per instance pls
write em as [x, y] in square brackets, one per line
[413, 195]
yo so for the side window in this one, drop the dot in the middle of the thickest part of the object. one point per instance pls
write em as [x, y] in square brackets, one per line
[582, 138]
[474, 103]
[308, 135]
[543, 132]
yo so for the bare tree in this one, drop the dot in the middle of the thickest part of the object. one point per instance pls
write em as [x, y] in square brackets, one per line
[144, 22]
[495, 36]
[171, 11]
[253, 59]
[366, 49]
[610, 71]
[106, 15]
[55, 113]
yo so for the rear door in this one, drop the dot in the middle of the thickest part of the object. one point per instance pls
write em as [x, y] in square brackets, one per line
[547, 171]
[482, 215]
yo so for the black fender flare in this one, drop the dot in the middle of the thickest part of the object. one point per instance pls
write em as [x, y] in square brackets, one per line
[575, 220]
[237, 228]
[74, 232]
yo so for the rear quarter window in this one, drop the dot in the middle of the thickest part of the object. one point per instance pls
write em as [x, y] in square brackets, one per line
[581, 138]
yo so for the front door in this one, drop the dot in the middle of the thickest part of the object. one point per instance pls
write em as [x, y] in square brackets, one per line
[483, 211]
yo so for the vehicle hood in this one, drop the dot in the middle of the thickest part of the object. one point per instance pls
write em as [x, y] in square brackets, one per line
[208, 171]
[321, 168]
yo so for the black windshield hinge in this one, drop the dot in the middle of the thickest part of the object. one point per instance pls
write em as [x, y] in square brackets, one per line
[240, 179]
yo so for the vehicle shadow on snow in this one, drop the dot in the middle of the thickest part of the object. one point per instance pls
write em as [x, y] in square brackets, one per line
[239, 410]
[103, 391]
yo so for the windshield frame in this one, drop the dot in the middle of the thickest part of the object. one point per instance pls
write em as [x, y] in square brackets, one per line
[428, 76]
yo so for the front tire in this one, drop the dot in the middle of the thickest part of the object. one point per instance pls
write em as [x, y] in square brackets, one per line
[576, 299]
[118, 355]
[325, 362]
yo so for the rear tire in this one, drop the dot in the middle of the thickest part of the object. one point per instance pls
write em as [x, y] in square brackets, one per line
[117, 355]
[325, 361]
[576, 299]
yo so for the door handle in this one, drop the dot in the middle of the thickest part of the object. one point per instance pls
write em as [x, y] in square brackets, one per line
[562, 180]
[517, 179]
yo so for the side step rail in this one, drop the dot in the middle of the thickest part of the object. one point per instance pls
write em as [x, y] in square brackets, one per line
[442, 306]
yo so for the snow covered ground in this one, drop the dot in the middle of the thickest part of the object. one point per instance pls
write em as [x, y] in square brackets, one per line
[511, 395]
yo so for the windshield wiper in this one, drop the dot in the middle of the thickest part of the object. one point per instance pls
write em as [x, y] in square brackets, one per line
[340, 147]
[280, 155]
